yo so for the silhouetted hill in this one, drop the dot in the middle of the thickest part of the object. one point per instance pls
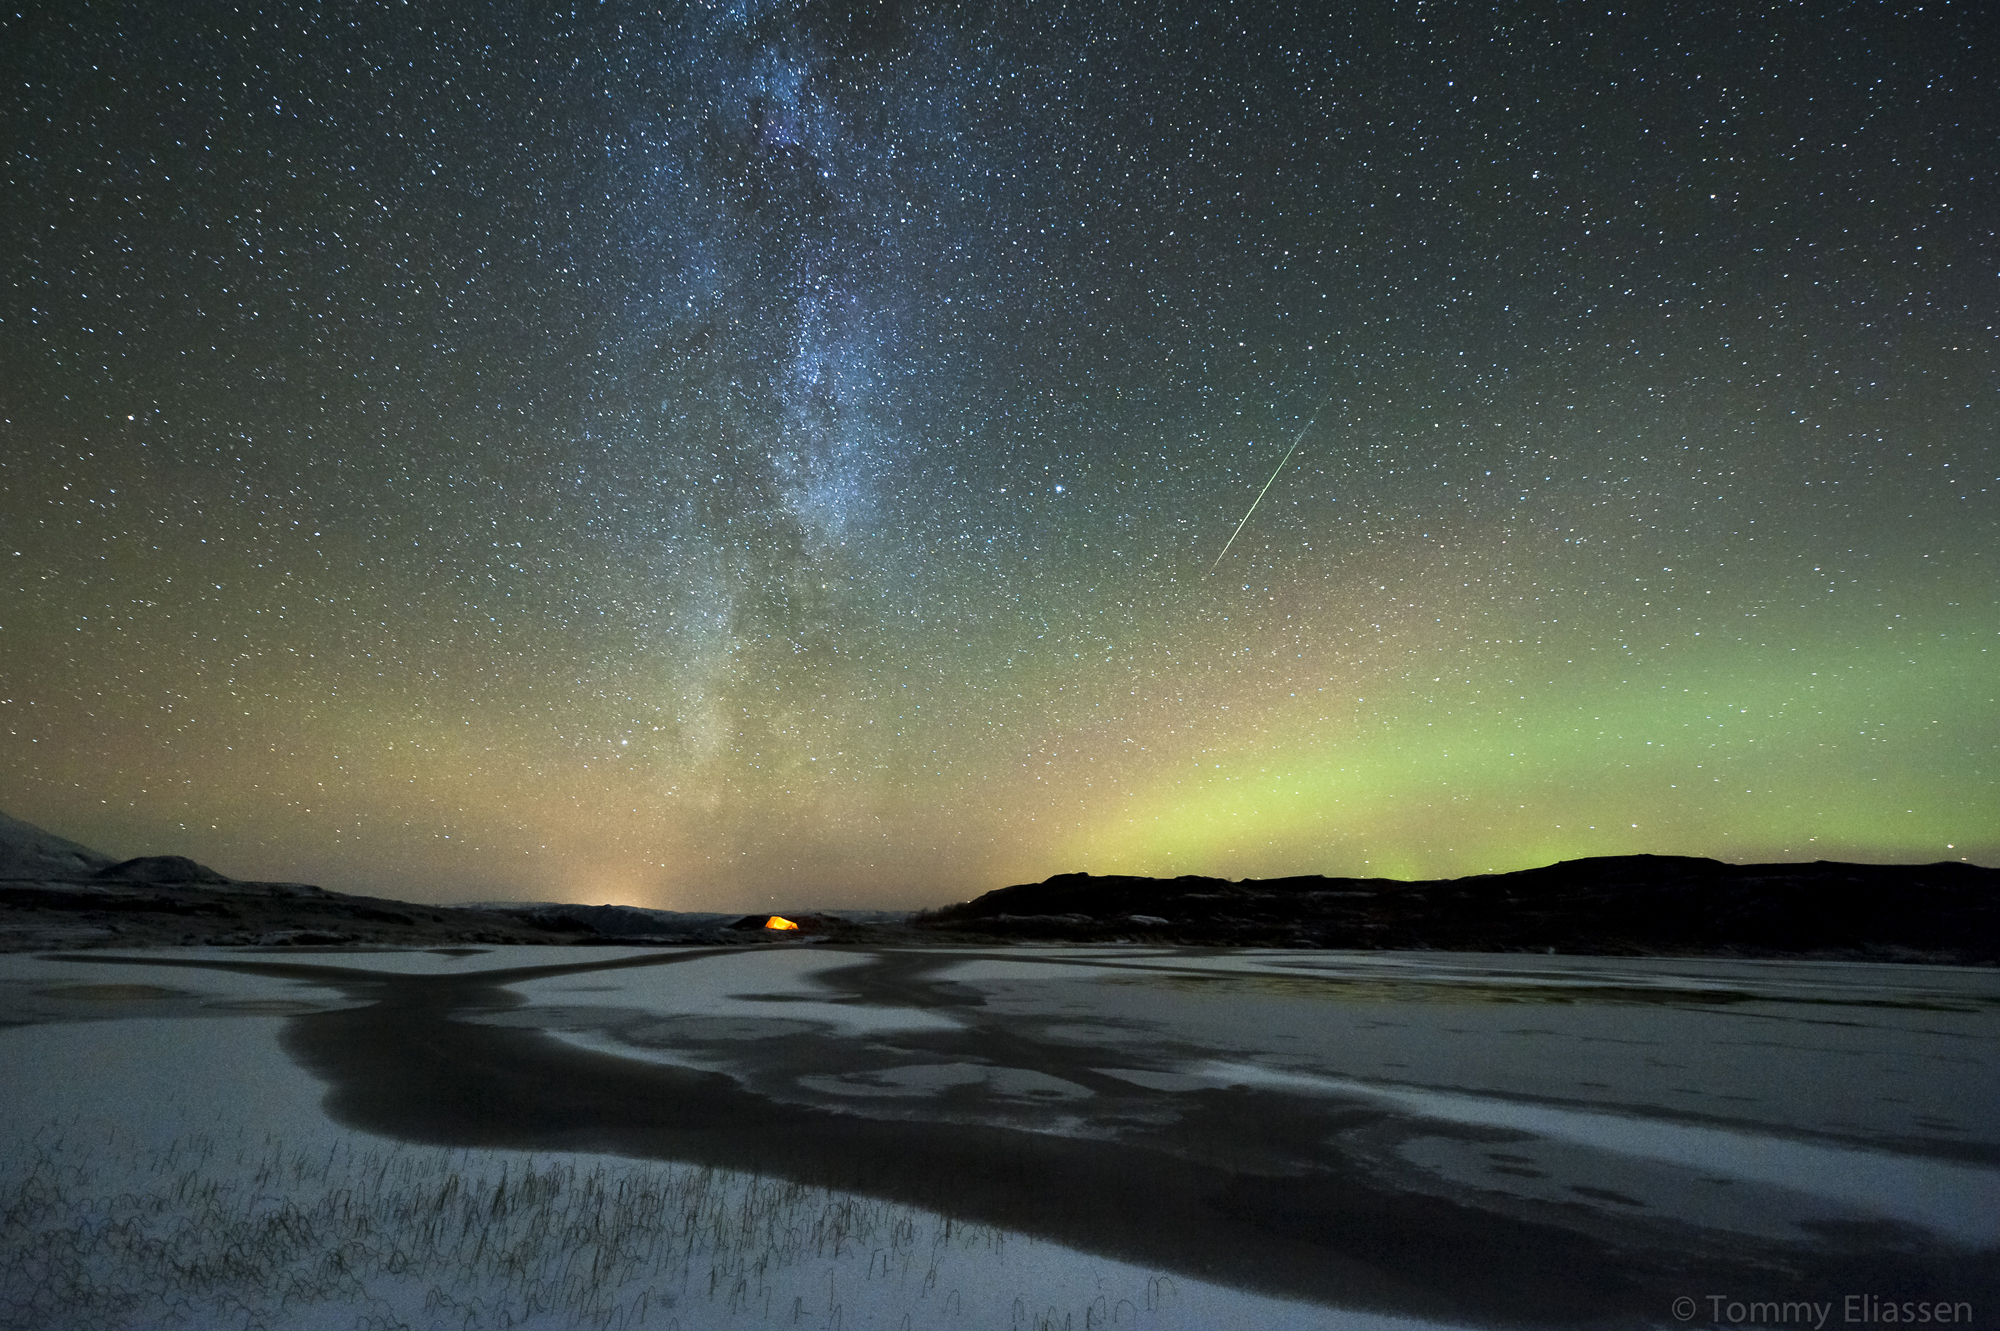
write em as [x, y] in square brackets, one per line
[30, 852]
[1627, 904]
[55, 893]
[163, 869]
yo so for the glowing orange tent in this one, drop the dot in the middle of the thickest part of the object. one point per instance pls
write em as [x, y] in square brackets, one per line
[779, 922]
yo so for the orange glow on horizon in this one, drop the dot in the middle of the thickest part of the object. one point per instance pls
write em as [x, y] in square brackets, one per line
[779, 922]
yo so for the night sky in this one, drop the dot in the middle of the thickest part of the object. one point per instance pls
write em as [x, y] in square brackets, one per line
[721, 454]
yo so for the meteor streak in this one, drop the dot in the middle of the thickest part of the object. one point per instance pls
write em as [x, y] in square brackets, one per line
[1260, 494]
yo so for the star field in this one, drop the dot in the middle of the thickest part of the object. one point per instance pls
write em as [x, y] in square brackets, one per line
[707, 454]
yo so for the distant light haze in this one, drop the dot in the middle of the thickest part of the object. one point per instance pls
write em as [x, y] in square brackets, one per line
[702, 457]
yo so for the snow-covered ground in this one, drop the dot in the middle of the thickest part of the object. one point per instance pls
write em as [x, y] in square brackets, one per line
[164, 1160]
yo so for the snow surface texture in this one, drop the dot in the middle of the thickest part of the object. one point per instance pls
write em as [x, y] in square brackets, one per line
[163, 1162]
[176, 1170]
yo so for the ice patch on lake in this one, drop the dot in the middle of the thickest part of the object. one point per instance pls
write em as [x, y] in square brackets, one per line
[773, 984]
[439, 961]
[1950, 1199]
[46, 989]
[926, 1079]
[1692, 980]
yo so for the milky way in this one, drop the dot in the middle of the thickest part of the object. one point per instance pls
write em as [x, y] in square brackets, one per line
[776, 451]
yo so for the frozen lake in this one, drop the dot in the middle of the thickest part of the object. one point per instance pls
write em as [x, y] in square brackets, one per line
[1286, 1138]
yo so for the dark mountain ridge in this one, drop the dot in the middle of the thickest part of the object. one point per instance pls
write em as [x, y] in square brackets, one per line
[55, 893]
[1616, 905]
